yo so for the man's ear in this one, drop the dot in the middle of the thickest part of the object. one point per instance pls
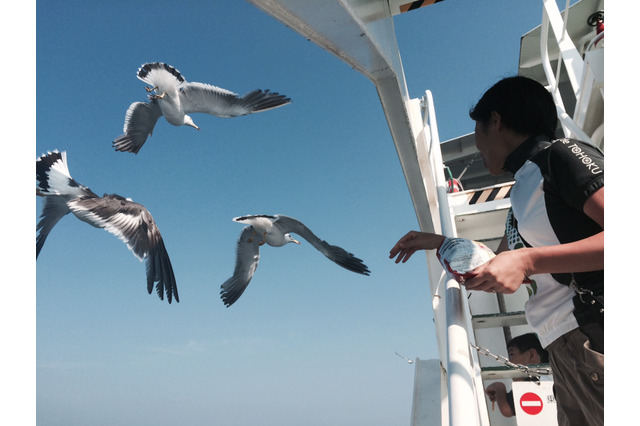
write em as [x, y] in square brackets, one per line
[496, 119]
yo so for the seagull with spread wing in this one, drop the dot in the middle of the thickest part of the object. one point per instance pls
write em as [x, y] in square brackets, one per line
[276, 231]
[129, 221]
[174, 98]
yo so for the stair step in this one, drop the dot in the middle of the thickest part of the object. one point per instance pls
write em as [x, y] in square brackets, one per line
[506, 319]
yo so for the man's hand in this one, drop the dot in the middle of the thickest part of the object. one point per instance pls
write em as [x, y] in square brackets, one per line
[412, 242]
[505, 273]
[497, 393]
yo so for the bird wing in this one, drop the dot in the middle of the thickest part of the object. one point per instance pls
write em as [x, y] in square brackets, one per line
[247, 256]
[139, 122]
[334, 253]
[56, 186]
[53, 209]
[205, 98]
[133, 224]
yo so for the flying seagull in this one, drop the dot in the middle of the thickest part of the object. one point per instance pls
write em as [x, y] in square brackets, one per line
[276, 231]
[129, 221]
[172, 96]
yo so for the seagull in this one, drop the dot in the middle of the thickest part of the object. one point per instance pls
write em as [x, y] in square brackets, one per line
[275, 231]
[122, 217]
[172, 96]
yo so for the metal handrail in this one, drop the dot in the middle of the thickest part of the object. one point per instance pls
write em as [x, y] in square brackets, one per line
[463, 367]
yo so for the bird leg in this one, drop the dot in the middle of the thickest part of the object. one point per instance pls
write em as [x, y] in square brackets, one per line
[155, 96]
[264, 238]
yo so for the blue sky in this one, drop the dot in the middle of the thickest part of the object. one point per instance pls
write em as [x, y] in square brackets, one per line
[308, 342]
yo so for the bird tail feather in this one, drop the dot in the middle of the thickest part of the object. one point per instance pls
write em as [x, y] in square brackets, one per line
[160, 74]
[52, 174]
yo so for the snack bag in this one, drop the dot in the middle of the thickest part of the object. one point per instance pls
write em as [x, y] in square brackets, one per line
[458, 256]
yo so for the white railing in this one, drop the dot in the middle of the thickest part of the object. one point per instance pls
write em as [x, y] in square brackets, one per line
[464, 382]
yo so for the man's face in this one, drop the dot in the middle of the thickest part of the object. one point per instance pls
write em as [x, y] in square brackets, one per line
[488, 145]
[524, 358]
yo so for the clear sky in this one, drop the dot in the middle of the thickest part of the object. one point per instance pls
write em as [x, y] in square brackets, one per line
[308, 343]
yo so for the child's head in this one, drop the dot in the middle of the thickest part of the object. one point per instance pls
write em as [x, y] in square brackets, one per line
[526, 349]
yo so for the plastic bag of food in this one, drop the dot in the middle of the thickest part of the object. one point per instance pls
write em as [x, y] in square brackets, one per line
[459, 256]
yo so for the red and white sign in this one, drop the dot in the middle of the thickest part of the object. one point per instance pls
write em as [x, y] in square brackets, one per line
[535, 403]
[531, 403]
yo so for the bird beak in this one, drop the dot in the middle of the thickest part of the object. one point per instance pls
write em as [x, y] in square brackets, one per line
[296, 241]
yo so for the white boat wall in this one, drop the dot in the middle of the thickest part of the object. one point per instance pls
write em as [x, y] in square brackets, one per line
[566, 54]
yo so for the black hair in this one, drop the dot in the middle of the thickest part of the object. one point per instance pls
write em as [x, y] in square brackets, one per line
[524, 105]
[528, 341]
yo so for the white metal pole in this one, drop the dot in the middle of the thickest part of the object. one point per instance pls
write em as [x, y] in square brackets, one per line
[462, 396]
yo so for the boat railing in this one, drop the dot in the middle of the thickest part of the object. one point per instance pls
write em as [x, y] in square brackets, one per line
[464, 382]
